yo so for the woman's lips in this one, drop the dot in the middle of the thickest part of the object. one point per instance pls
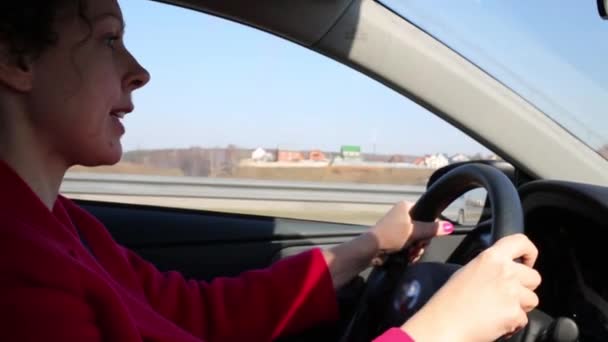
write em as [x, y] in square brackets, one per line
[116, 122]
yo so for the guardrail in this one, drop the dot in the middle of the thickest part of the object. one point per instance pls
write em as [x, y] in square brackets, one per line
[241, 189]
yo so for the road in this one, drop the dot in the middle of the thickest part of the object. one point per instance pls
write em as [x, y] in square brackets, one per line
[346, 203]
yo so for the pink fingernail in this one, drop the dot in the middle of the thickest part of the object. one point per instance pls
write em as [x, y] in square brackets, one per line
[448, 227]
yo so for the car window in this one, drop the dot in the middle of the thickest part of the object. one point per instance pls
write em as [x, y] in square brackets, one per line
[549, 53]
[238, 120]
[469, 208]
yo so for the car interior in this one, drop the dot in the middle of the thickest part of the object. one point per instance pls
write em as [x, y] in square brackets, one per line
[555, 188]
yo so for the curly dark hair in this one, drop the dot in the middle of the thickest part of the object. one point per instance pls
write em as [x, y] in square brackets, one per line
[27, 26]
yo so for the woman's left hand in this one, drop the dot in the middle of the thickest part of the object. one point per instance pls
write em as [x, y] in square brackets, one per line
[397, 231]
[392, 233]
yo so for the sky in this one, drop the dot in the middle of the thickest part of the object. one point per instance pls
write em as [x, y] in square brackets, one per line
[215, 82]
[552, 52]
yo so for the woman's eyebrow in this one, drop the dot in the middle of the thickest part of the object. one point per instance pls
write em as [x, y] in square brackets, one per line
[110, 15]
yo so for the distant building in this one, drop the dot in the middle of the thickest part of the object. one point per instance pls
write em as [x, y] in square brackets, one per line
[435, 161]
[420, 161]
[459, 158]
[350, 152]
[317, 155]
[260, 155]
[290, 156]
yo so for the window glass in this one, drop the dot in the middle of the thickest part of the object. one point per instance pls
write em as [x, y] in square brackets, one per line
[469, 208]
[238, 120]
[550, 52]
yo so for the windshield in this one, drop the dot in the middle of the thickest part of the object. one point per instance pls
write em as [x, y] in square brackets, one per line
[552, 53]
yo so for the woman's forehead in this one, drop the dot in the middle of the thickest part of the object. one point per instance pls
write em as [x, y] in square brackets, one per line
[91, 10]
[96, 8]
[72, 26]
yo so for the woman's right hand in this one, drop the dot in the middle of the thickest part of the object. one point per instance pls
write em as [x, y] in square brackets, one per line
[484, 300]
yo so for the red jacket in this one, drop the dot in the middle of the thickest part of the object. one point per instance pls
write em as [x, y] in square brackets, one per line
[53, 289]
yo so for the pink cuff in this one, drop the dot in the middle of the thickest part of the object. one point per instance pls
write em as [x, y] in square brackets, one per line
[394, 335]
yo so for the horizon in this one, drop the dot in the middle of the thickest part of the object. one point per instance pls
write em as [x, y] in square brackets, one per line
[268, 149]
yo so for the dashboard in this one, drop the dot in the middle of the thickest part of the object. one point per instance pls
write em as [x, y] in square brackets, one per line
[568, 222]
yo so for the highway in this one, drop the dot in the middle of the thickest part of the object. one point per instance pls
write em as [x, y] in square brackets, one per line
[348, 203]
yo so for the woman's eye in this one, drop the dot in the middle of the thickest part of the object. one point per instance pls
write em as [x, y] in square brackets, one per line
[111, 41]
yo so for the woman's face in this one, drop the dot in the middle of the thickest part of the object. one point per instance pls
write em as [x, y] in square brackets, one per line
[82, 86]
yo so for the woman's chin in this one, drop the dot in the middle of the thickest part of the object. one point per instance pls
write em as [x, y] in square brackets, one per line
[114, 154]
[113, 160]
[109, 155]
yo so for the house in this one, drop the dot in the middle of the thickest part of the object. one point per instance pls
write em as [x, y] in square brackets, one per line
[435, 161]
[459, 158]
[260, 155]
[290, 156]
[420, 161]
[317, 155]
[350, 152]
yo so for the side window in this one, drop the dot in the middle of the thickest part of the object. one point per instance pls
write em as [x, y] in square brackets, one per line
[238, 120]
[469, 208]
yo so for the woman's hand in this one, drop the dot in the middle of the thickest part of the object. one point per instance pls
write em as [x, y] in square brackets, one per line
[396, 230]
[486, 299]
[392, 233]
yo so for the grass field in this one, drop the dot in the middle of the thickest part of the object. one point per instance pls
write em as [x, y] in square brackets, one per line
[129, 168]
[342, 174]
[350, 174]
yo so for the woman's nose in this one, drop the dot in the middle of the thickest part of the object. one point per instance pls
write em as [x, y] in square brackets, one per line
[137, 76]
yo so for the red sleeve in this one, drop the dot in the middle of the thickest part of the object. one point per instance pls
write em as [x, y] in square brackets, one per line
[394, 335]
[41, 298]
[290, 296]
[30, 313]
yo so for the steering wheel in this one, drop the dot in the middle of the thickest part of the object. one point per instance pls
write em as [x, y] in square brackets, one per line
[394, 291]
[507, 213]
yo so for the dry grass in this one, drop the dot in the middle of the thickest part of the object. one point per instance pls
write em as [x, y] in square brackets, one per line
[343, 174]
[129, 168]
[357, 174]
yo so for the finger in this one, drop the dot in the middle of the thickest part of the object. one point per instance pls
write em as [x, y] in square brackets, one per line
[427, 230]
[518, 323]
[422, 244]
[517, 246]
[528, 300]
[379, 259]
[528, 277]
[414, 249]
[414, 257]
[377, 262]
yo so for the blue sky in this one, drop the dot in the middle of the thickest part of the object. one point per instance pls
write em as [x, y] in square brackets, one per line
[552, 52]
[215, 82]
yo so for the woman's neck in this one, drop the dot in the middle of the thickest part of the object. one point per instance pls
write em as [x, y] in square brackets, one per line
[41, 179]
[33, 161]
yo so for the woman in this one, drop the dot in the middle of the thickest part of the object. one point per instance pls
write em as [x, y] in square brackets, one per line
[66, 80]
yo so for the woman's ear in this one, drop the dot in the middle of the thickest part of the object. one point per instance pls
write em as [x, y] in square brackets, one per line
[16, 72]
